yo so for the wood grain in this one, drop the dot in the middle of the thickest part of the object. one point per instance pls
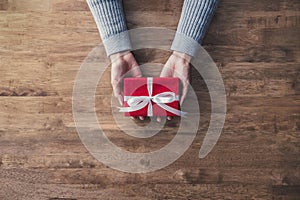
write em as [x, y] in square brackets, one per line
[256, 47]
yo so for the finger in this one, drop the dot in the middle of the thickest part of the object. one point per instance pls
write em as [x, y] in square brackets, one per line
[166, 71]
[136, 72]
[120, 99]
[158, 119]
[116, 86]
[117, 91]
[135, 69]
[141, 118]
[132, 118]
[184, 92]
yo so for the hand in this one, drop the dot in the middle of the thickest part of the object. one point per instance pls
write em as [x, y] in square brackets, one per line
[178, 65]
[121, 63]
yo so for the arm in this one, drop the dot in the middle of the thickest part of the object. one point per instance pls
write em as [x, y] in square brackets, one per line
[111, 23]
[195, 18]
[194, 21]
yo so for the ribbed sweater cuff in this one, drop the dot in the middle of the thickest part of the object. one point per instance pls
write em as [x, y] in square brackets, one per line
[185, 44]
[117, 43]
[110, 21]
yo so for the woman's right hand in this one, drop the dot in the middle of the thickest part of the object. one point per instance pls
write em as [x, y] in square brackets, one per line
[121, 63]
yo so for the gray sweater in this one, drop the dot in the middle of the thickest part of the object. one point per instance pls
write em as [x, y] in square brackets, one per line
[195, 18]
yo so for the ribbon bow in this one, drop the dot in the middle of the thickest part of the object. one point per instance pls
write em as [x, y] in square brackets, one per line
[138, 102]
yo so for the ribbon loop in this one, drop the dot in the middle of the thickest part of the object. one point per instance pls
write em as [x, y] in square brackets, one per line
[138, 102]
[165, 97]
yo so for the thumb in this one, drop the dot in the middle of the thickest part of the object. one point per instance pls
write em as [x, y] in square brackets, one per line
[120, 99]
[117, 91]
[136, 71]
[184, 92]
[167, 71]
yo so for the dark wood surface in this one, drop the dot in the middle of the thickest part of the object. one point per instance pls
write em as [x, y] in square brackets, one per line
[256, 45]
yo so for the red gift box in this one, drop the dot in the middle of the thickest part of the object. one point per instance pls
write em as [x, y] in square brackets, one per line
[151, 97]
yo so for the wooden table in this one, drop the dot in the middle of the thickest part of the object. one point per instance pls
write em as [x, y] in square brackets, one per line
[256, 46]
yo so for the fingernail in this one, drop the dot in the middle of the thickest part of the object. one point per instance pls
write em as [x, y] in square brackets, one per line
[158, 119]
[141, 118]
[169, 118]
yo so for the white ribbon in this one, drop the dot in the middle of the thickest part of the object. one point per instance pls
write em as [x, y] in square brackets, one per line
[138, 102]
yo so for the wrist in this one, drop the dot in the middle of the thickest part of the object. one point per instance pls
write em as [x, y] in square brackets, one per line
[181, 55]
[118, 55]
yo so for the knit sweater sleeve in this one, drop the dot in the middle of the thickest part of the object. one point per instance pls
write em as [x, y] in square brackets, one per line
[195, 18]
[110, 20]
